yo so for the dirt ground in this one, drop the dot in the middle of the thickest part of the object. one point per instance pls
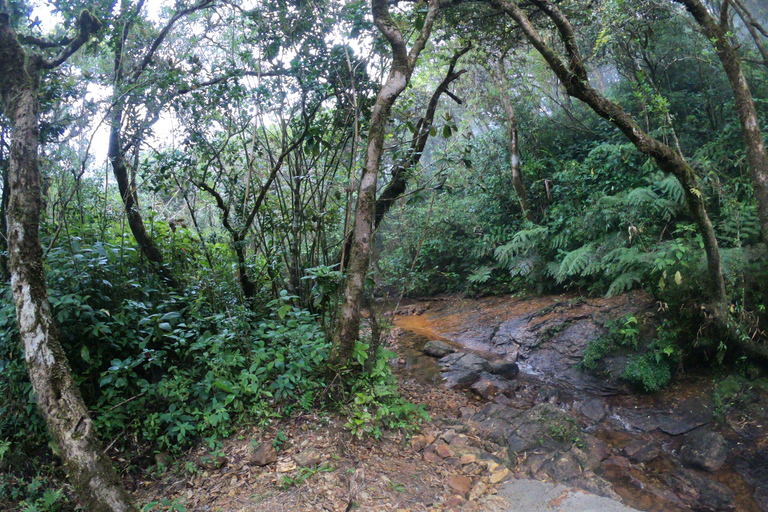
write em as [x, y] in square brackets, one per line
[321, 466]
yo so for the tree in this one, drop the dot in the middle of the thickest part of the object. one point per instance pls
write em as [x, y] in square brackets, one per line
[401, 70]
[58, 397]
[718, 34]
[574, 76]
[499, 76]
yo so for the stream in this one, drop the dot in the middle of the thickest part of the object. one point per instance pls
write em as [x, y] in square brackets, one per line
[658, 452]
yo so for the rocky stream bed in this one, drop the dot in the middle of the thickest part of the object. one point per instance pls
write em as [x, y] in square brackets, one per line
[536, 412]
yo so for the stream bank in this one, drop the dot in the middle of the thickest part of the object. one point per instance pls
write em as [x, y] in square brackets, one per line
[556, 422]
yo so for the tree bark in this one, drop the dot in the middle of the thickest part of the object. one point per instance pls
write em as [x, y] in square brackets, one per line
[757, 157]
[574, 78]
[400, 73]
[58, 397]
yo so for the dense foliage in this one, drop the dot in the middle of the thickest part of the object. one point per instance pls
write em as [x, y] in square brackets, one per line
[242, 133]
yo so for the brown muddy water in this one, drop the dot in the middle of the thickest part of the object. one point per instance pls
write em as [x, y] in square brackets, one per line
[503, 327]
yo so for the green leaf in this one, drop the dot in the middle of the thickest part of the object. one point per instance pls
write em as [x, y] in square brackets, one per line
[165, 326]
[85, 354]
[284, 309]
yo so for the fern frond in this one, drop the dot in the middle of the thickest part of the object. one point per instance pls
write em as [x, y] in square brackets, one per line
[671, 188]
[575, 262]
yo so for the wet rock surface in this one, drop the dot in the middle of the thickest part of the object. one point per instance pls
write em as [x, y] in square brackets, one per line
[437, 348]
[550, 420]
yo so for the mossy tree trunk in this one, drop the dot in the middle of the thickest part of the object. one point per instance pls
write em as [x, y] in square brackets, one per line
[58, 397]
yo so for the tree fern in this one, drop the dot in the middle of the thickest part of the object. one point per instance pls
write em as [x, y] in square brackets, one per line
[523, 242]
[671, 189]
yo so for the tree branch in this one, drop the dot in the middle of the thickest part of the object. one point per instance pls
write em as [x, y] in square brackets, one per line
[87, 25]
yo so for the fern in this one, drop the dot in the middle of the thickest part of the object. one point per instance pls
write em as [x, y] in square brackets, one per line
[671, 189]
[575, 262]
[641, 196]
[481, 275]
[522, 243]
[624, 282]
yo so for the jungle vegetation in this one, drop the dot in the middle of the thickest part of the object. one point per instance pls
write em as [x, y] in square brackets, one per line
[199, 197]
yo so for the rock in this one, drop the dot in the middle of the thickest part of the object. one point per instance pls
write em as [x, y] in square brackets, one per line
[468, 458]
[437, 348]
[418, 443]
[499, 475]
[704, 449]
[504, 369]
[563, 468]
[211, 460]
[701, 492]
[466, 412]
[459, 484]
[308, 458]
[454, 501]
[641, 451]
[593, 409]
[484, 388]
[596, 448]
[460, 379]
[466, 362]
[432, 457]
[263, 455]
[443, 451]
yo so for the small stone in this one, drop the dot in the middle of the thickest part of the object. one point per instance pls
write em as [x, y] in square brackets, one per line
[437, 348]
[454, 501]
[498, 476]
[492, 466]
[478, 491]
[432, 457]
[468, 458]
[466, 412]
[641, 451]
[596, 448]
[418, 443]
[704, 449]
[309, 457]
[430, 438]
[263, 455]
[459, 484]
[443, 451]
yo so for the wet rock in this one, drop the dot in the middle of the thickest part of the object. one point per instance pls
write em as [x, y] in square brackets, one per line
[701, 492]
[471, 362]
[263, 455]
[563, 468]
[641, 450]
[506, 369]
[460, 379]
[596, 449]
[484, 388]
[685, 417]
[544, 425]
[753, 467]
[437, 348]
[593, 409]
[459, 484]
[547, 395]
[308, 458]
[704, 449]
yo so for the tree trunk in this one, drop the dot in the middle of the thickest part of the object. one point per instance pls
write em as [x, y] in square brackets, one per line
[745, 105]
[58, 398]
[400, 73]
[513, 142]
[574, 78]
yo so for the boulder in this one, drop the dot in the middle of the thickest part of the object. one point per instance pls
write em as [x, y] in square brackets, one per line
[704, 449]
[437, 348]
[484, 388]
